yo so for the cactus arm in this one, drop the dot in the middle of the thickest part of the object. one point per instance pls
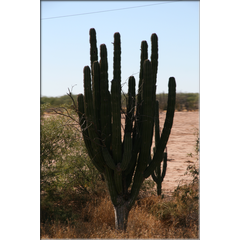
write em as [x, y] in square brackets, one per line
[148, 115]
[129, 127]
[166, 129]
[88, 103]
[127, 151]
[161, 175]
[154, 57]
[129, 154]
[93, 46]
[155, 175]
[111, 185]
[164, 166]
[96, 94]
[117, 58]
[158, 175]
[133, 161]
[95, 76]
[146, 129]
[130, 105]
[170, 111]
[144, 56]
[116, 121]
[156, 124]
[90, 121]
[116, 113]
[83, 125]
[105, 99]
[108, 158]
[116, 133]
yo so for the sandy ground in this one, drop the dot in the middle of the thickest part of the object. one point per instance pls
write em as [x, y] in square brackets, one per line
[181, 142]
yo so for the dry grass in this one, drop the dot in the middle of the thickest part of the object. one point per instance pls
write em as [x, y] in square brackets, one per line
[151, 217]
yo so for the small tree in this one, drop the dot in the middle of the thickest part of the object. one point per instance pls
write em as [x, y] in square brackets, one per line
[124, 159]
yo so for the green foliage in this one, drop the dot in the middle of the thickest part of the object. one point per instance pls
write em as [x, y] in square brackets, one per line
[55, 102]
[148, 187]
[187, 101]
[182, 210]
[66, 170]
[193, 169]
[184, 101]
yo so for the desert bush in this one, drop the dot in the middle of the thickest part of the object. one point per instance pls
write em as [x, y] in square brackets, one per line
[58, 101]
[67, 174]
[193, 169]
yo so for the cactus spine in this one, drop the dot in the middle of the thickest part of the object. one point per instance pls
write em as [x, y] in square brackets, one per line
[129, 160]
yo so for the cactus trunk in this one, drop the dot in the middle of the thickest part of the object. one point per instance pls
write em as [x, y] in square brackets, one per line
[121, 216]
[124, 160]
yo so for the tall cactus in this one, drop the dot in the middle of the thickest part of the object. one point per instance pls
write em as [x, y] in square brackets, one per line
[123, 155]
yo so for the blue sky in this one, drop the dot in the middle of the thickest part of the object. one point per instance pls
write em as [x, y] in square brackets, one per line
[65, 41]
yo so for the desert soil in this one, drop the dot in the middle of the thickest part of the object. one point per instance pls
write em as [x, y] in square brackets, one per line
[181, 142]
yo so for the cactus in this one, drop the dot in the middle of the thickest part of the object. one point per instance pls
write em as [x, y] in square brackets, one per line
[158, 175]
[123, 155]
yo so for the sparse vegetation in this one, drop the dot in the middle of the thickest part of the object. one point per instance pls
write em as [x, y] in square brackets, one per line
[176, 216]
[74, 203]
[184, 101]
[67, 174]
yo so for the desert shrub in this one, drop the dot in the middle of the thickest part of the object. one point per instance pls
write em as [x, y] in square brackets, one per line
[184, 101]
[67, 174]
[162, 98]
[193, 169]
[57, 101]
[181, 212]
[151, 217]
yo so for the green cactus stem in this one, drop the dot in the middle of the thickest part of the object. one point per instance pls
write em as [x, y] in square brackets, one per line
[105, 98]
[154, 57]
[117, 58]
[93, 46]
[159, 173]
[130, 105]
[161, 145]
[96, 94]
